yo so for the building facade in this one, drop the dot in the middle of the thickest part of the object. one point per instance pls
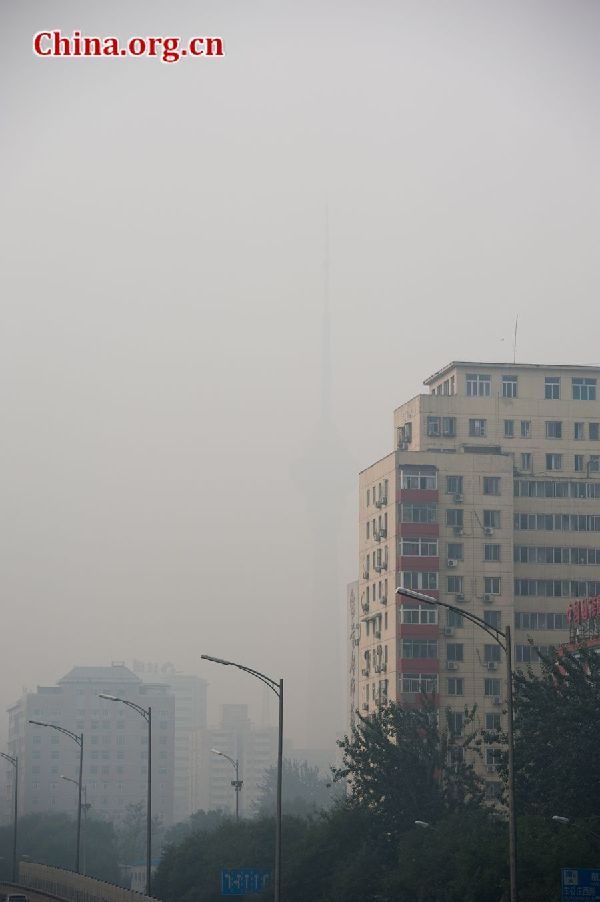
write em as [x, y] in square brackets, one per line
[115, 740]
[489, 502]
[190, 693]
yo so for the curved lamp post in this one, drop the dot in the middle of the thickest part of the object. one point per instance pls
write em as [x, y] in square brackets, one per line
[78, 738]
[15, 763]
[569, 822]
[275, 686]
[146, 713]
[503, 639]
[237, 783]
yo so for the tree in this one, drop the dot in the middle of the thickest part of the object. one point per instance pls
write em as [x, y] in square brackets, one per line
[304, 791]
[198, 822]
[557, 716]
[402, 766]
[131, 834]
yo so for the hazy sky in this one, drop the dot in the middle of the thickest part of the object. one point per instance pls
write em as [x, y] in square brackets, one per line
[162, 289]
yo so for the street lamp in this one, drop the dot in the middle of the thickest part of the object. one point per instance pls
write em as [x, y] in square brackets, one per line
[503, 639]
[567, 820]
[425, 825]
[78, 738]
[15, 763]
[146, 713]
[237, 783]
[275, 686]
[85, 807]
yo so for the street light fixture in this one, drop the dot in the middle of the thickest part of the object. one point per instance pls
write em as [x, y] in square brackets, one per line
[78, 738]
[85, 808]
[146, 713]
[503, 639]
[237, 783]
[275, 686]
[425, 825]
[567, 820]
[15, 763]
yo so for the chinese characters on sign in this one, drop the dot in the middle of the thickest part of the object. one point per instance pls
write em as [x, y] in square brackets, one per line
[240, 881]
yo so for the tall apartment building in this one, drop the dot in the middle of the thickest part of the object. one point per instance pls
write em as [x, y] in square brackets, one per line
[254, 747]
[115, 744]
[189, 692]
[491, 502]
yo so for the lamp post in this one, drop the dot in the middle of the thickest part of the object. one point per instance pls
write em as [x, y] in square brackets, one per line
[503, 639]
[275, 686]
[15, 763]
[567, 821]
[237, 783]
[146, 713]
[78, 738]
[85, 807]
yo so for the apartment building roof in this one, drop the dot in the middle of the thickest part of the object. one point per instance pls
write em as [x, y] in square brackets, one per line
[509, 366]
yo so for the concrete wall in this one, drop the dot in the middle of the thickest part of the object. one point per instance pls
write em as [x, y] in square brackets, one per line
[71, 886]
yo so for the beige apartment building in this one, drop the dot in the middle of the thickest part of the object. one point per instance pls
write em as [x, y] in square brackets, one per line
[490, 502]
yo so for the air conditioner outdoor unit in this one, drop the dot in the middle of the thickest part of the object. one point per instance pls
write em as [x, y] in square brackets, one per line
[383, 533]
[365, 574]
[460, 597]
[451, 562]
[365, 707]
[383, 667]
[488, 599]
[448, 631]
[378, 634]
[492, 665]
[497, 700]
[378, 568]
[491, 768]
[451, 665]
[458, 498]
[365, 672]
[458, 531]
[376, 535]
[488, 531]
[383, 599]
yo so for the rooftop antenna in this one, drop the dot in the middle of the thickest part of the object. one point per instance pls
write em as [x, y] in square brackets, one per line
[515, 339]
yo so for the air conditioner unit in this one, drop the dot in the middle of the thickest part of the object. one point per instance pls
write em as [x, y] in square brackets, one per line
[451, 665]
[460, 597]
[451, 562]
[377, 634]
[365, 707]
[383, 533]
[488, 531]
[488, 599]
[491, 768]
[378, 568]
[492, 665]
[458, 498]
[366, 574]
[458, 530]
[376, 535]
[448, 631]
[383, 599]
[365, 672]
[497, 700]
[383, 667]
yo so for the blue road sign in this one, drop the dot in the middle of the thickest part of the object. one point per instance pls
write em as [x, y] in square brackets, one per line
[242, 881]
[580, 883]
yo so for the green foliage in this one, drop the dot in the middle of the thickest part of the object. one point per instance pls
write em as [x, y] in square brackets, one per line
[557, 716]
[199, 822]
[402, 766]
[304, 791]
[131, 834]
[50, 839]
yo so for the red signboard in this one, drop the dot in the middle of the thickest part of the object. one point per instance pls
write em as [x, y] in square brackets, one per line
[582, 610]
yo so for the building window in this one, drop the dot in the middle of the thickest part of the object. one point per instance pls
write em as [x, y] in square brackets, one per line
[455, 722]
[417, 579]
[552, 388]
[527, 460]
[455, 619]
[491, 485]
[491, 519]
[492, 618]
[491, 585]
[509, 428]
[509, 386]
[420, 547]
[419, 648]
[553, 429]
[454, 485]
[554, 461]
[594, 431]
[455, 551]
[579, 463]
[434, 427]
[418, 613]
[478, 385]
[525, 428]
[455, 584]
[578, 431]
[491, 687]
[454, 651]
[583, 389]
[594, 463]
[456, 686]
[449, 426]
[419, 682]
[477, 428]
[454, 516]
[491, 653]
[419, 513]
[493, 722]
[491, 552]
